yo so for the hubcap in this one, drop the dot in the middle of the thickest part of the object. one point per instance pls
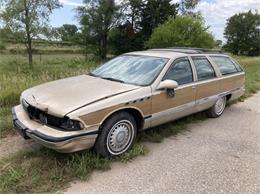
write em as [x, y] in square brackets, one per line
[120, 137]
[220, 105]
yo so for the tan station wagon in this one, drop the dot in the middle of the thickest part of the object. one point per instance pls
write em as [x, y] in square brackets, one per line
[106, 108]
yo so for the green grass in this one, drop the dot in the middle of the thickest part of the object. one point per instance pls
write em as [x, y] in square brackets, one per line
[41, 48]
[47, 171]
[251, 66]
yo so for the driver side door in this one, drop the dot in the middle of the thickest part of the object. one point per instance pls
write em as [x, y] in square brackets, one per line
[166, 106]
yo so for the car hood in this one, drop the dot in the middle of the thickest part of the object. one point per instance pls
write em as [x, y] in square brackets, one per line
[64, 96]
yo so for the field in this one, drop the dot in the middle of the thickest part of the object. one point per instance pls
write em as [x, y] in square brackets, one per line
[24, 172]
[41, 47]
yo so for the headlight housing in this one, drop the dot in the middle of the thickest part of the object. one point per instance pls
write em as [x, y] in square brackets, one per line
[71, 125]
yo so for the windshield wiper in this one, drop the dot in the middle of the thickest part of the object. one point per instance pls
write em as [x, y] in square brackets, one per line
[107, 78]
[91, 74]
[112, 79]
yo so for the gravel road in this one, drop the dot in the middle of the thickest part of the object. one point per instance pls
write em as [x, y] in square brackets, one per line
[217, 156]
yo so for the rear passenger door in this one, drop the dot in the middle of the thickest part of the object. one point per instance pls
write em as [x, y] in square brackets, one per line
[208, 85]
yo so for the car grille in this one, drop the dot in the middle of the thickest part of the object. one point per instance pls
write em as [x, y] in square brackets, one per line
[42, 117]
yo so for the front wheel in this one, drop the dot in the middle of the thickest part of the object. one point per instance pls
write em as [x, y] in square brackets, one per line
[117, 135]
[218, 108]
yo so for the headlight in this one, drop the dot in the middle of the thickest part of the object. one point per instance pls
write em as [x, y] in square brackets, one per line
[71, 125]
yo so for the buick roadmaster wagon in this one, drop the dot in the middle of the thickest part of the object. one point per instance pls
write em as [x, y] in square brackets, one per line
[106, 108]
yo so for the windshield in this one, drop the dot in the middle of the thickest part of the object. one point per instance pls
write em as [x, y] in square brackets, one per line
[132, 69]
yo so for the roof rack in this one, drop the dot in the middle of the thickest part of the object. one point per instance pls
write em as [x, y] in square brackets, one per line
[189, 50]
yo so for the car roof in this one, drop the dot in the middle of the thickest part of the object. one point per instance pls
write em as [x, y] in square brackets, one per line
[155, 53]
[175, 52]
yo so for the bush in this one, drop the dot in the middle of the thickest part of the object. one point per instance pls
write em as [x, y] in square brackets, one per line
[2, 46]
[182, 31]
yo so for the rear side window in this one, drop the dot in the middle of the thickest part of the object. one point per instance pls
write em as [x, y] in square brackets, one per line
[226, 66]
[237, 65]
[204, 69]
[180, 71]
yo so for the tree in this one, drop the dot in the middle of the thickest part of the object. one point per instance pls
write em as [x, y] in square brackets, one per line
[156, 12]
[182, 31]
[243, 33]
[27, 17]
[123, 39]
[68, 32]
[218, 43]
[187, 7]
[97, 17]
[132, 10]
[6, 34]
[51, 33]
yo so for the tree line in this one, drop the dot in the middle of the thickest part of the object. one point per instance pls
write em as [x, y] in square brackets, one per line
[121, 26]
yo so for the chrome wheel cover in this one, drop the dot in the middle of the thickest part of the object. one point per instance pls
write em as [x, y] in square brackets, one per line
[220, 105]
[120, 137]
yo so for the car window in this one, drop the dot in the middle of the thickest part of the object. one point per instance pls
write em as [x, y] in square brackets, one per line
[204, 68]
[238, 66]
[180, 72]
[226, 66]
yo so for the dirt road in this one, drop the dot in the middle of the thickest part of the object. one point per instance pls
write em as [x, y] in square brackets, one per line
[217, 156]
[15, 143]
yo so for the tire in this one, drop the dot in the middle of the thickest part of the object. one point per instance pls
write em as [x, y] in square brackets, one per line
[218, 108]
[117, 135]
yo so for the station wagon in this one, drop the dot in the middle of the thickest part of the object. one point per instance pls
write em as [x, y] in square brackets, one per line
[106, 108]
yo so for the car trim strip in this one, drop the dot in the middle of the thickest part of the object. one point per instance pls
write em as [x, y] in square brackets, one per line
[188, 108]
[147, 117]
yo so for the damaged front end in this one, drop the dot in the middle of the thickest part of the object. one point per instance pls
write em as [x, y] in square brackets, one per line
[59, 133]
[62, 123]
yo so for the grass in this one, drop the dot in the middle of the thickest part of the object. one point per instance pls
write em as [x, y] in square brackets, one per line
[47, 171]
[27, 172]
[251, 66]
[41, 48]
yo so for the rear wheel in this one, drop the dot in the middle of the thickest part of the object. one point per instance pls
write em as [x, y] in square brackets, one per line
[117, 135]
[218, 108]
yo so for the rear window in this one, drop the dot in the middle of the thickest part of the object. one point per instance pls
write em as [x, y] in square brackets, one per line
[226, 66]
[237, 65]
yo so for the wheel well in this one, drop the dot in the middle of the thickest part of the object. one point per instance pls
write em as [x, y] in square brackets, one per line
[228, 96]
[138, 117]
[135, 113]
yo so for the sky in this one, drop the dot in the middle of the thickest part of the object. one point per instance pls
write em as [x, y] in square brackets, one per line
[215, 12]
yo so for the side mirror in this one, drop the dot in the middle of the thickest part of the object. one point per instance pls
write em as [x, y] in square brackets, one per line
[168, 84]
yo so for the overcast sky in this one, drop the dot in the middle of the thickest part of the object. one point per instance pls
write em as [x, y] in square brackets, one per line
[215, 12]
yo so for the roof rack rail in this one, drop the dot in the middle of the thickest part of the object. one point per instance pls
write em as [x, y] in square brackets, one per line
[189, 50]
